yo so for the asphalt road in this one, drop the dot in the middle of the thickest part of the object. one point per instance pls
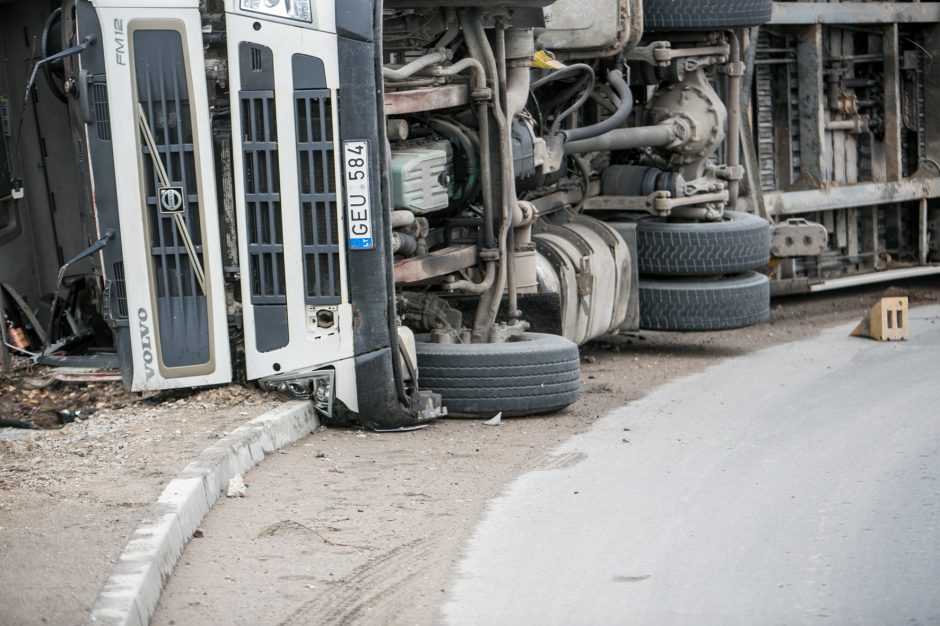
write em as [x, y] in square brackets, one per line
[795, 485]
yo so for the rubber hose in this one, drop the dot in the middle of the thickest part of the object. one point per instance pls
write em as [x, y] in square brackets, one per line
[615, 78]
[625, 139]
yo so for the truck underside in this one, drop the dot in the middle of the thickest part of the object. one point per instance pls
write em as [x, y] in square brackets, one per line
[405, 208]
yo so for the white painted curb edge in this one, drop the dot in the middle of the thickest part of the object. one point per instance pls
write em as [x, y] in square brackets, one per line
[131, 593]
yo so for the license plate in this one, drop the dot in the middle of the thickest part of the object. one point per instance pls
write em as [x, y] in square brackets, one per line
[358, 197]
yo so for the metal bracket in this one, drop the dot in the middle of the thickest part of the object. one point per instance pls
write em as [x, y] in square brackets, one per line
[733, 69]
[858, 125]
[585, 278]
[728, 172]
[664, 204]
[798, 237]
[503, 332]
[661, 54]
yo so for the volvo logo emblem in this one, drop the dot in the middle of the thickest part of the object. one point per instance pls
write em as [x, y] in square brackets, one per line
[171, 199]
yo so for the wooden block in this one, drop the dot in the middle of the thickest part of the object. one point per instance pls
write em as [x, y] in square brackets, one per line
[887, 321]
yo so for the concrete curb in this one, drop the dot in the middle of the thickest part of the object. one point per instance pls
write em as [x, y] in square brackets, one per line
[131, 593]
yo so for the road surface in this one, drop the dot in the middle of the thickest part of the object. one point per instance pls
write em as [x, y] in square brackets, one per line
[794, 485]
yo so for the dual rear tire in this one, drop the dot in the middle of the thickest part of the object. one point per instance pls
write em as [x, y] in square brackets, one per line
[703, 304]
[697, 277]
[701, 276]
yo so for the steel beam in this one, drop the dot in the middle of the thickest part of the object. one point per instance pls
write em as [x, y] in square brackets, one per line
[815, 152]
[864, 194]
[416, 100]
[850, 13]
[439, 263]
[875, 277]
[932, 94]
[893, 123]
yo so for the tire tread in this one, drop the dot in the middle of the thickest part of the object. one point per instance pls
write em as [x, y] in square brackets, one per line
[704, 14]
[738, 244]
[685, 305]
[538, 375]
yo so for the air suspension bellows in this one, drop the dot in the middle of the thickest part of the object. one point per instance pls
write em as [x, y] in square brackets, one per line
[637, 180]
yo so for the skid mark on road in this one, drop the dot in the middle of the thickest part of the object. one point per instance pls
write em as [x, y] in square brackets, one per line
[290, 527]
[367, 595]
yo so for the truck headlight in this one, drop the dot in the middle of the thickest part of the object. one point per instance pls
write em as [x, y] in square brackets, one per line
[315, 385]
[298, 10]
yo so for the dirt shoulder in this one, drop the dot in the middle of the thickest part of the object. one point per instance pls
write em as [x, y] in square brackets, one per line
[351, 527]
[71, 497]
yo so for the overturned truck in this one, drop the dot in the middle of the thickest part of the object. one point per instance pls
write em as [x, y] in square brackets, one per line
[403, 208]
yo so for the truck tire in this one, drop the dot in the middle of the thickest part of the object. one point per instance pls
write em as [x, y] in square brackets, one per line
[738, 243]
[535, 374]
[704, 14]
[703, 304]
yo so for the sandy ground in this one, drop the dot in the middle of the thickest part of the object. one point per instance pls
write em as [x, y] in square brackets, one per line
[70, 498]
[345, 526]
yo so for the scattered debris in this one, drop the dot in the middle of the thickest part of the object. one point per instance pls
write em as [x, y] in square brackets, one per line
[237, 487]
[402, 429]
[85, 375]
[105, 360]
[67, 416]
[126, 435]
[27, 424]
[35, 395]
[495, 421]
[18, 327]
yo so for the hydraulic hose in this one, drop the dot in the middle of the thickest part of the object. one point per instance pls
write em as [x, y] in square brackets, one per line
[489, 277]
[483, 119]
[457, 135]
[565, 72]
[489, 304]
[626, 139]
[615, 78]
[407, 71]
[469, 63]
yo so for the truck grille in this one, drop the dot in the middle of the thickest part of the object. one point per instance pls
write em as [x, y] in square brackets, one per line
[317, 181]
[163, 93]
[264, 231]
[263, 199]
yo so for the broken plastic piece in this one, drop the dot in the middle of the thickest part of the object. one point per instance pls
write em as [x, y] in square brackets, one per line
[236, 487]
[402, 429]
[546, 61]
